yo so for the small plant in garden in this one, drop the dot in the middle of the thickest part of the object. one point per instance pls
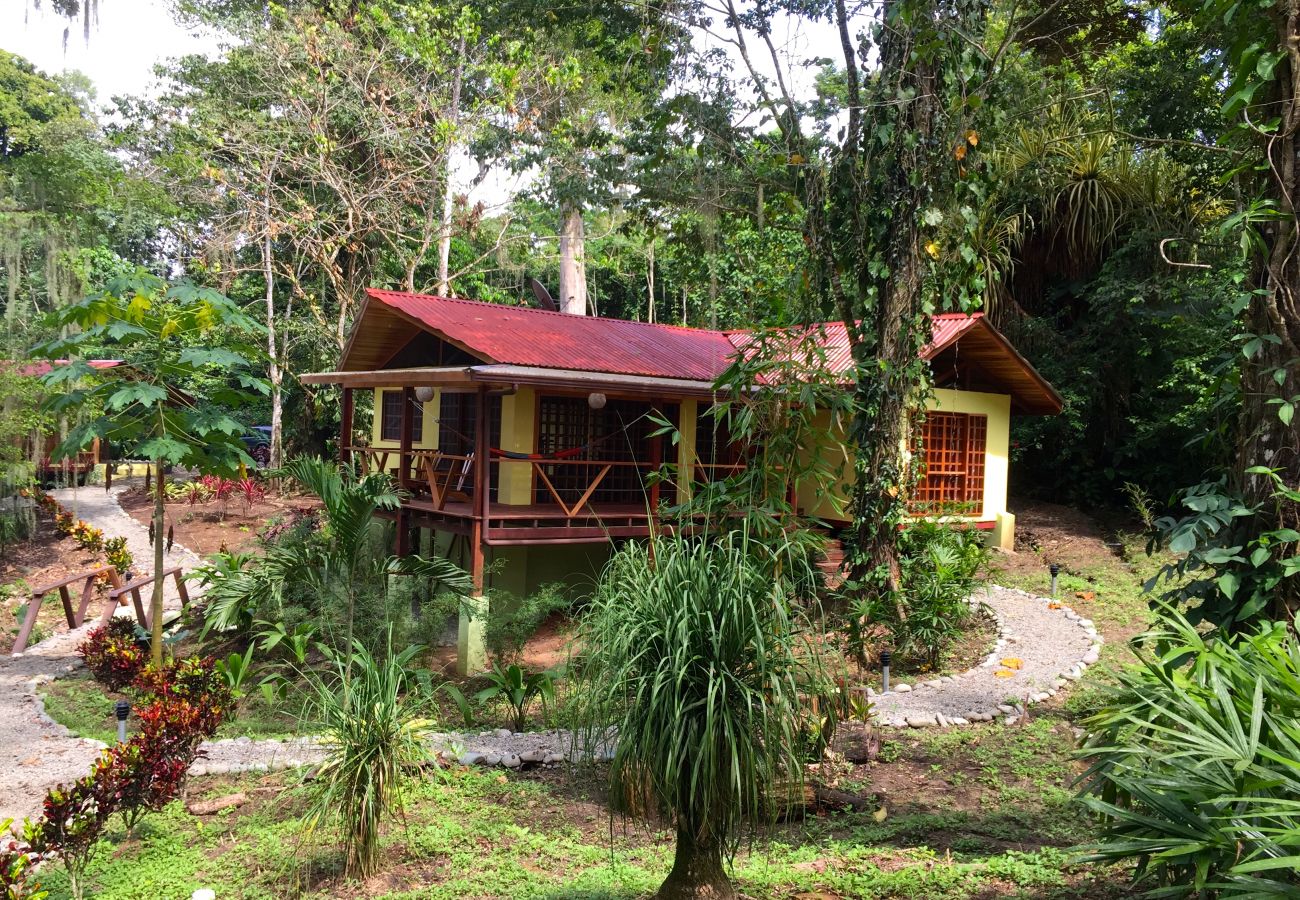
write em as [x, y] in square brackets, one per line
[17, 880]
[252, 492]
[185, 703]
[118, 556]
[941, 566]
[88, 536]
[520, 689]
[1195, 762]
[374, 735]
[236, 668]
[113, 654]
[218, 489]
[64, 522]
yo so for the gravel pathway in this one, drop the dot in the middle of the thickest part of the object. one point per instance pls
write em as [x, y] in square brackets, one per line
[1052, 644]
[37, 753]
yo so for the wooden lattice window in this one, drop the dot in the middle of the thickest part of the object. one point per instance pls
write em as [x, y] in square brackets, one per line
[456, 422]
[390, 418]
[952, 448]
[717, 454]
[588, 438]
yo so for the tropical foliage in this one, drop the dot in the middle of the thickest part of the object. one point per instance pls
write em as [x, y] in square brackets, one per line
[1194, 763]
[695, 657]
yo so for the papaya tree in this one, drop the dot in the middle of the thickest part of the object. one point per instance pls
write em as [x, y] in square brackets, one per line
[186, 360]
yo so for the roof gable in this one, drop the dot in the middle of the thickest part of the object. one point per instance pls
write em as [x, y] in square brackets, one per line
[522, 336]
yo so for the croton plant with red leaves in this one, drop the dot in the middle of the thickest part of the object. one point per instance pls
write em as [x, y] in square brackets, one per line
[112, 654]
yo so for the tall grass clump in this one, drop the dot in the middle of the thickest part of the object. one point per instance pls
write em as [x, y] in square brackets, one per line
[693, 655]
[1195, 763]
[374, 734]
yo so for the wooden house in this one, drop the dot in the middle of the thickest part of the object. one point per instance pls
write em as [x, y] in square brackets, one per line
[524, 436]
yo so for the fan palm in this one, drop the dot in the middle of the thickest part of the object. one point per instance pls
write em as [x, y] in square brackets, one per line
[691, 654]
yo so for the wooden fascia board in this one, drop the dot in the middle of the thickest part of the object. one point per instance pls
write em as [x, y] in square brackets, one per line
[393, 378]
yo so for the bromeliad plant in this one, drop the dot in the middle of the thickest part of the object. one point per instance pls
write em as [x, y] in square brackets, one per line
[693, 653]
[1195, 763]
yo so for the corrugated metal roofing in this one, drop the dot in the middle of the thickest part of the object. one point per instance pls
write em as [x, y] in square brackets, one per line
[534, 337]
[43, 367]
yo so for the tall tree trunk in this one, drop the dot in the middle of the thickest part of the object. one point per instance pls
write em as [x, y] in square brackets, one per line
[650, 279]
[1270, 379]
[448, 195]
[697, 872]
[573, 261]
[273, 372]
[159, 562]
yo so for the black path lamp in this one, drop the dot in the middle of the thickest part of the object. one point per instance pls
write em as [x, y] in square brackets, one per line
[885, 657]
[1055, 569]
[123, 709]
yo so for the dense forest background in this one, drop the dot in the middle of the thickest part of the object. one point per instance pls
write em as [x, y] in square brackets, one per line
[333, 145]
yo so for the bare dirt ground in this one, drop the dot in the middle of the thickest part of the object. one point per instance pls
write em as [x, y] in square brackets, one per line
[46, 558]
[208, 528]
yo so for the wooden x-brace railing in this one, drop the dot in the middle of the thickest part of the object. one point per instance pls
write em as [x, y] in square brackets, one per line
[133, 589]
[74, 617]
[440, 480]
[570, 512]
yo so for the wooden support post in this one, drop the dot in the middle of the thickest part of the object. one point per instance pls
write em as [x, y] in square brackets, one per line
[471, 652]
[67, 606]
[656, 464]
[407, 438]
[482, 464]
[345, 427]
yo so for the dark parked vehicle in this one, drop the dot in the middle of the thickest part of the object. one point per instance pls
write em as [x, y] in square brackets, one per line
[257, 441]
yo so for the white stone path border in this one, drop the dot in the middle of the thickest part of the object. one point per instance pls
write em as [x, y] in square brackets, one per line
[1053, 643]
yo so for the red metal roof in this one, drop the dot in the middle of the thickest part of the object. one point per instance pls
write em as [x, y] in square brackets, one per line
[536, 337]
[523, 336]
[42, 367]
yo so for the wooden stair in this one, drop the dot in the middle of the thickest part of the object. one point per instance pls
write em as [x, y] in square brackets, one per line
[832, 565]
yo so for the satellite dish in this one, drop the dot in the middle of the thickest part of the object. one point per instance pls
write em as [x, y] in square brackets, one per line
[542, 295]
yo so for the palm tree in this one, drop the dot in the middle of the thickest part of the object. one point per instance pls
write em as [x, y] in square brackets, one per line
[347, 567]
[691, 654]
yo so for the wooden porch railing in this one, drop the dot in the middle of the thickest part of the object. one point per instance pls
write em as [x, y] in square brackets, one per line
[133, 590]
[74, 617]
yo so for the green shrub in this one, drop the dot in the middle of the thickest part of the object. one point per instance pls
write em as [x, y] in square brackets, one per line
[510, 625]
[374, 733]
[520, 689]
[1195, 763]
[941, 566]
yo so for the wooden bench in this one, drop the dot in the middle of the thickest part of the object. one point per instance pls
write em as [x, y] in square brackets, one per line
[133, 589]
[76, 616]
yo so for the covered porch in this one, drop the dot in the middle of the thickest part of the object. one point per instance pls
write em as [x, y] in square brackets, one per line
[505, 455]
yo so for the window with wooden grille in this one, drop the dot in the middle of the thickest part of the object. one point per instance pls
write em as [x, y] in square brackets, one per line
[457, 421]
[589, 438]
[390, 418]
[952, 449]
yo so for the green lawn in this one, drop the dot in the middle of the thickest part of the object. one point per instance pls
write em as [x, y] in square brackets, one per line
[86, 709]
[477, 834]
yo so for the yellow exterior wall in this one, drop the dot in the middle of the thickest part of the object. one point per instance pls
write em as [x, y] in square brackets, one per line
[429, 437]
[518, 416]
[687, 417]
[997, 443]
[997, 409]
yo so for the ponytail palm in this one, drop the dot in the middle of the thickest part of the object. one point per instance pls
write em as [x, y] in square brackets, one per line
[691, 654]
